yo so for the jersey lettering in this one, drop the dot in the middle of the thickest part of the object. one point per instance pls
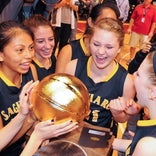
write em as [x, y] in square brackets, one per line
[11, 111]
[99, 101]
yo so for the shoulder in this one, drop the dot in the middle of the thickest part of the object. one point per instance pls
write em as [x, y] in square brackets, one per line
[142, 147]
[71, 66]
[66, 51]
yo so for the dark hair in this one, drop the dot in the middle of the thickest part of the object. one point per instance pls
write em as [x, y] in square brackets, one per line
[61, 147]
[97, 10]
[8, 30]
[35, 21]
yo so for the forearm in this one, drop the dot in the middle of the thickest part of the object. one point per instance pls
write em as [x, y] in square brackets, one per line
[152, 31]
[121, 144]
[59, 5]
[28, 123]
[74, 7]
[11, 129]
[32, 146]
[131, 23]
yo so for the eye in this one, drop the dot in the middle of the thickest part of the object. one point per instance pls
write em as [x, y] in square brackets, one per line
[39, 41]
[31, 48]
[96, 44]
[109, 47]
[51, 39]
[20, 50]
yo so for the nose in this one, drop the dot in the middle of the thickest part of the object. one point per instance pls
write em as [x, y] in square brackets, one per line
[48, 45]
[101, 50]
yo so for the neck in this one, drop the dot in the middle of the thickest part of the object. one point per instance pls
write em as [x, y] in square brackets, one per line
[44, 61]
[14, 77]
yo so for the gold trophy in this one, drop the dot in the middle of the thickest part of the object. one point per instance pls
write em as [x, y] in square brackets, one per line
[59, 97]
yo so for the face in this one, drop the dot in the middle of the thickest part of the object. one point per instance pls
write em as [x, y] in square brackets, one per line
[106, 13]
[44, 42]
[18, 54]
[104, 47]
[142, 84]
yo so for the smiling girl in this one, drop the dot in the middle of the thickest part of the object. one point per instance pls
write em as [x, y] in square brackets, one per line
[44, 59]
[104, 77]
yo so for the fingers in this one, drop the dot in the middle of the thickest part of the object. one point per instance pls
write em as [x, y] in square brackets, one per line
[24, 89]
[31, 86]
[48, 129]
[24, 97]
[66, 127]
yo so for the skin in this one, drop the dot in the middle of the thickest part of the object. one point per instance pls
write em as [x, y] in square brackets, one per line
[11, 129]
[15, 61]
[16, 57]
[104, 47]
[146, 95]
[143, 145]
[146, 92]
[45, 130]
[66, 52]
[44, 44]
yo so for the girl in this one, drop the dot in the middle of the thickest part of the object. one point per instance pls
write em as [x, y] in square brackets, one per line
[80, 48]
[16, 53]
[44, 59]
[145, 83]
[102, 75]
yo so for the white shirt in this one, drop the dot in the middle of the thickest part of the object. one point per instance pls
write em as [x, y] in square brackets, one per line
[124, 7]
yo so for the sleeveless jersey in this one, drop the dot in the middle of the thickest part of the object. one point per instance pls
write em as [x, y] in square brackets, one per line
[9, 108]
[78, 49]
[144, 128]
[41, 70]
[101, 93]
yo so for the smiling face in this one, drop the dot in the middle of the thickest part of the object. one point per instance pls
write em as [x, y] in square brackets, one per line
[106, 38]
[44, 42]
[17, 54]
[104, 47]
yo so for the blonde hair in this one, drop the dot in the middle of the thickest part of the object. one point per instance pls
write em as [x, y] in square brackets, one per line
[110, 25]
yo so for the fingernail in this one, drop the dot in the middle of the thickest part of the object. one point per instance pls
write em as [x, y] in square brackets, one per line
[25, 94]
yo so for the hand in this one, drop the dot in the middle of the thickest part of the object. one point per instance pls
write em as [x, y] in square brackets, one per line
[146, 47]
[47, 129]
[117, 105]
[132, 107]
[121, 104]
[129, 31]
[24, 97]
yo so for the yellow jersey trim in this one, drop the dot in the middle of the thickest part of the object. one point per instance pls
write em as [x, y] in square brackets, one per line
[6, 80]
[86, 52]
[39, 63]
[146, 123]
[108, 77]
